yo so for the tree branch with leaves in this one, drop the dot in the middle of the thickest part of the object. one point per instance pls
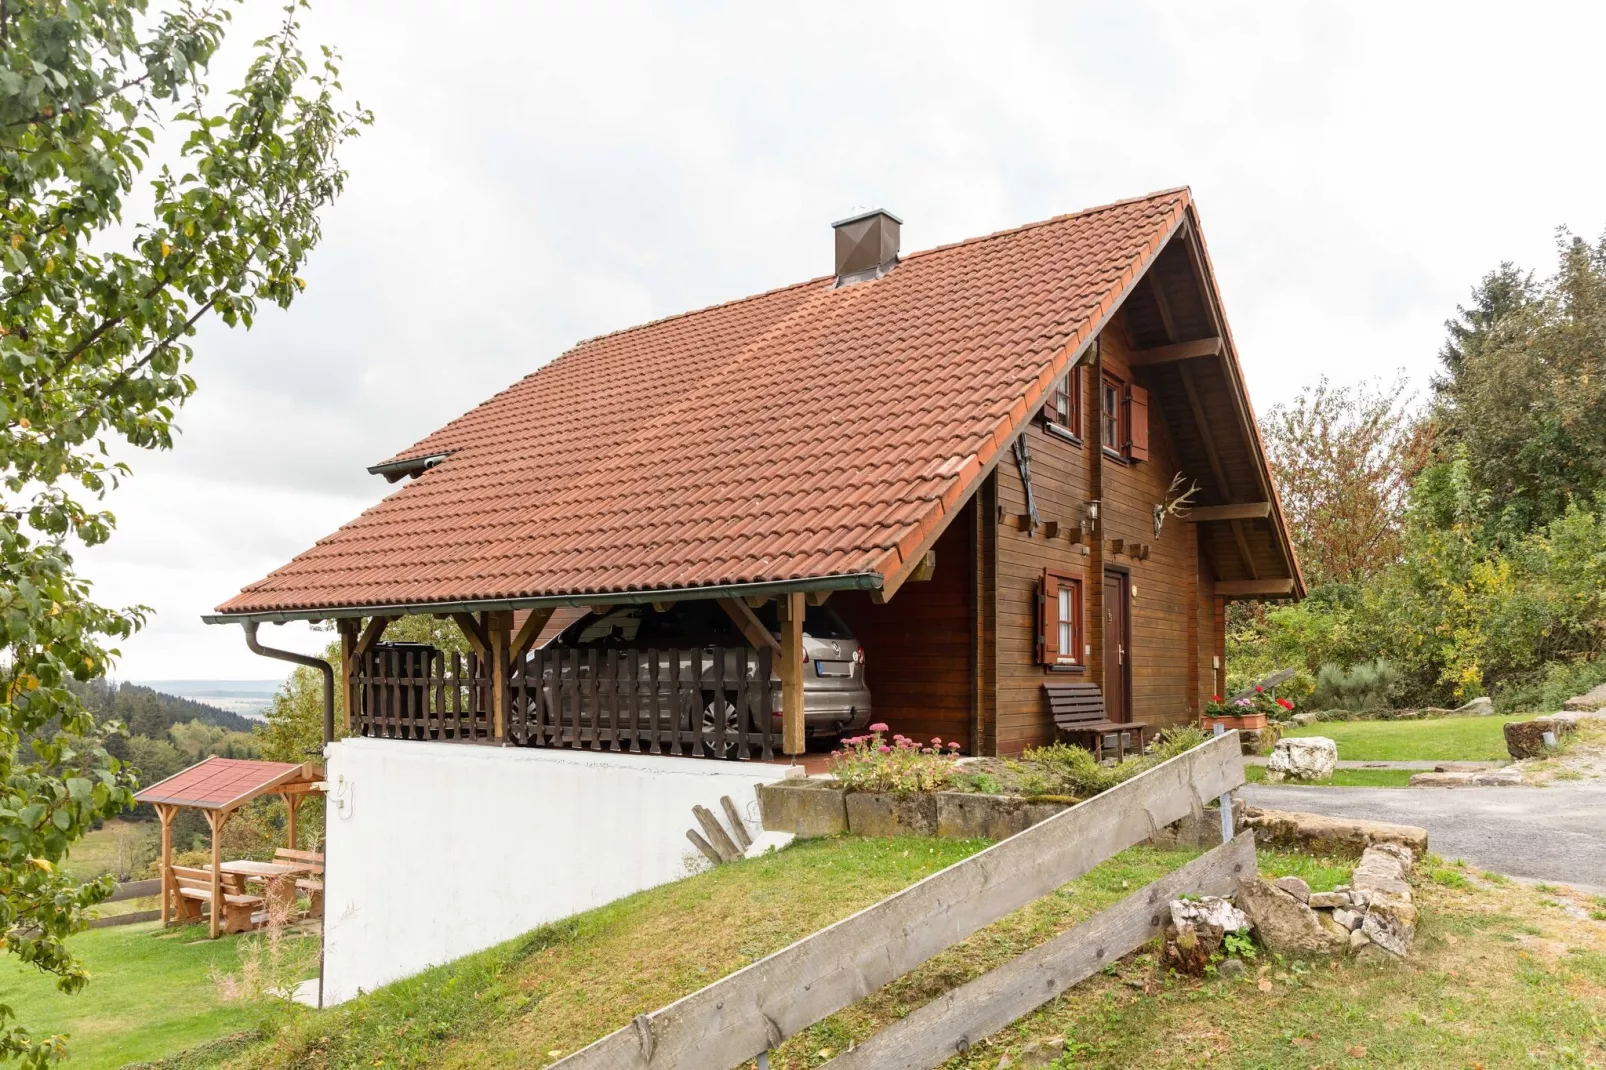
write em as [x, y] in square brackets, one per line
[96, 313]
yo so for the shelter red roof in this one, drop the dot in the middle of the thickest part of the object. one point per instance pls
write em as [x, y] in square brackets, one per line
[802, 434]
[222, 783]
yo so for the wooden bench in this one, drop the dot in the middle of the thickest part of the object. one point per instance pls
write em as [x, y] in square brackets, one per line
[194, 887]
[312, 862]
[1078, 711]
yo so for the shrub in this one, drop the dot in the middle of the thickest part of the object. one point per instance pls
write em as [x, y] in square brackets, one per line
[1367, 685]
[871, 763]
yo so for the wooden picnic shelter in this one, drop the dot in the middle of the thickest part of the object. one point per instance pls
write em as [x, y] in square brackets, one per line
[218, 787]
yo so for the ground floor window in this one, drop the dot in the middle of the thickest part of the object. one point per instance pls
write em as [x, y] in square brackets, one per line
[1060, 639]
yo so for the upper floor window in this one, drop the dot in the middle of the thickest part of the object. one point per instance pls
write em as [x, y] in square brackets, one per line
[1113, 420]
[1064, 408]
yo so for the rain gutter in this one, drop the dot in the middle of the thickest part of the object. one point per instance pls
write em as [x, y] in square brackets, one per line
[309, 662]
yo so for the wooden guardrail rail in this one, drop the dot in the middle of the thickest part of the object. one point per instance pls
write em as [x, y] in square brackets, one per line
[131, 890]
[752, 1010]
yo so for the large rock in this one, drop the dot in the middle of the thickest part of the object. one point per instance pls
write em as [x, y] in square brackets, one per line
[1285, 925]
[1592, 700]
[1526, 739]
[1390, 920]
[1213, 910]
[1482, 706]
[1325, 835]
[1309, 758]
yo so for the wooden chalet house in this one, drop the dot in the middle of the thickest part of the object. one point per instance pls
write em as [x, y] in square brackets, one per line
[980, 454]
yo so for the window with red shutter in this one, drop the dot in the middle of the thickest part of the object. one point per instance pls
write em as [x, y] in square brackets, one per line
[1059, 619]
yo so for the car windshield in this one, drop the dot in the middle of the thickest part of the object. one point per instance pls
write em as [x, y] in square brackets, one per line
[697, 623]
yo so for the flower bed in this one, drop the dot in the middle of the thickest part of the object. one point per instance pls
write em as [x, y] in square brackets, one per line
[1250, 713]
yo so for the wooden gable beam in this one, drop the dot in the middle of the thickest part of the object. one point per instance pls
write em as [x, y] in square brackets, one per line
[529, 631]
[1254, 588]
[1214, 456]
[477, 637]
[744, 617]
[1204, 514]
[1166, 354]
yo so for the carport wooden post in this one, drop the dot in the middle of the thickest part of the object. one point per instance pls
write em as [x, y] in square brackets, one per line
[499, 630]
[165, 814]
[292, 803]
[791, 669]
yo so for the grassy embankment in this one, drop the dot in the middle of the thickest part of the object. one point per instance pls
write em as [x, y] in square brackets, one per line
[1498, 979]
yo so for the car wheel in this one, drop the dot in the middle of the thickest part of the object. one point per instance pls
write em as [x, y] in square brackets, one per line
[720, 722]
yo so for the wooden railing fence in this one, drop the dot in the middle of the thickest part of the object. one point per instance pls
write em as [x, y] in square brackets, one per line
[703, 703]
[751, 1011]
[131, 890]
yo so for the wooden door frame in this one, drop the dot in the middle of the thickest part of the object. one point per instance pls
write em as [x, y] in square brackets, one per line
[1124, 667]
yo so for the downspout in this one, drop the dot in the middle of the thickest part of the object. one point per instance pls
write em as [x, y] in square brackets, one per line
[311, 663]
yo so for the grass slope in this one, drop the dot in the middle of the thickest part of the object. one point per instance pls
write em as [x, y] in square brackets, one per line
[1445, 739]
[1503, 976]
[150, 995]
[1346, 778]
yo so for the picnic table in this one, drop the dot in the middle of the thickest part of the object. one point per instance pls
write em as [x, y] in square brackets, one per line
[278, 878]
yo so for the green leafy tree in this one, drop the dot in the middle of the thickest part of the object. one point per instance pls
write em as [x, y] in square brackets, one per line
[107, 265]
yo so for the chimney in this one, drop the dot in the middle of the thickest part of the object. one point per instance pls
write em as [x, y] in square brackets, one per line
[866, 246]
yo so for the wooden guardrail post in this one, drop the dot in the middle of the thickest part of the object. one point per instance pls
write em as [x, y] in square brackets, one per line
[754, 1009]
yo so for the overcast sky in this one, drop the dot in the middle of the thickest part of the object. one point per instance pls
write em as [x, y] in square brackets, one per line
[541, 173]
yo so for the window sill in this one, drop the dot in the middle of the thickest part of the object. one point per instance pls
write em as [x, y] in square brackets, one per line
[1065, 668]
[1114, 456]
[1060, 431]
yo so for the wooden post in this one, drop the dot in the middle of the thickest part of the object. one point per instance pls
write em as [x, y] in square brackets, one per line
[791, 670]
[348, 669]
[499, 630]
[215, 820]
[292, 803]
[166, 814]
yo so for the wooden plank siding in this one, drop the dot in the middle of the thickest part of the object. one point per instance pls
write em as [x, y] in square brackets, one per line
[918, 650]
[1173, 622]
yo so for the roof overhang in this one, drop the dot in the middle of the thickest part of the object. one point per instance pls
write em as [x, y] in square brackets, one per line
[855, 581]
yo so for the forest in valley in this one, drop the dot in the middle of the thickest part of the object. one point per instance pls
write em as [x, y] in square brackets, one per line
[1453, 543]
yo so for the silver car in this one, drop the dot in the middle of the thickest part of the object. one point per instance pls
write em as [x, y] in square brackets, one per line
[835, 697]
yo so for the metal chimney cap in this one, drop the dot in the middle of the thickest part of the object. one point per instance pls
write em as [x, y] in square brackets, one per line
[866, 215]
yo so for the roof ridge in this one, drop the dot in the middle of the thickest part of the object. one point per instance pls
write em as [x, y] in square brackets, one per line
[1156, 195]
[1010, 231]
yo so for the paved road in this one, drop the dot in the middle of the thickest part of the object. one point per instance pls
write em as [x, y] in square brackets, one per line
[1553, 834]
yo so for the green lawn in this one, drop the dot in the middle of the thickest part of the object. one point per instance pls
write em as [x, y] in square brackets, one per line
[150, 995]
[1447, 739]
[1346, 778]
[118, 845]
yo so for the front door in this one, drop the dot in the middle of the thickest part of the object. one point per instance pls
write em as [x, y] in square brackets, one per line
[1117, 647]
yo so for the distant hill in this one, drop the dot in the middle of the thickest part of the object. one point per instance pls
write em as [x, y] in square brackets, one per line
[250, 697]
[149, 712]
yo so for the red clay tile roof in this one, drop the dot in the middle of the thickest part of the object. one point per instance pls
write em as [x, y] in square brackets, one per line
[801, 434]
[216, 782]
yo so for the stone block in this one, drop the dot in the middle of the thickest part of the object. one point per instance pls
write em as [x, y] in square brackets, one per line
[1526, 739]
[1294, 886]
[803, 807]
[1311, 758]
[886, 814]
[1483, 706]
[1197, 830]
[1284, 924]
[1329, 900]
[1594, 699]
[1325, 835]
[968, 816]
[1390, 920]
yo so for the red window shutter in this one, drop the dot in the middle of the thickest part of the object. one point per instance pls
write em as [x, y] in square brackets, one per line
[1047, 620]
[1137, 422]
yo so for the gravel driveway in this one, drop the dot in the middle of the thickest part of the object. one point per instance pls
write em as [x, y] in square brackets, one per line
[1553, 834]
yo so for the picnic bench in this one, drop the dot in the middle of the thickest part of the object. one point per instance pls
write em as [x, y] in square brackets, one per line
[195, 891]
[309, 863]
[1078, 711]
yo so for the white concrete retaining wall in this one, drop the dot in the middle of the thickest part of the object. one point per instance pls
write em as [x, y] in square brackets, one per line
[439, 849]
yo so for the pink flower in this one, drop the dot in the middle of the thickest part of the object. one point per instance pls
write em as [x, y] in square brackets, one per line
[936, 741]
[953, 746]
[878, 727]
[885, 749]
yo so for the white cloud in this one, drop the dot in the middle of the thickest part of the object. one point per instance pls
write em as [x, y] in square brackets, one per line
[542, 173]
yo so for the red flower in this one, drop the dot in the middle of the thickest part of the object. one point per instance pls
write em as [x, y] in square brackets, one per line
[1215, 698]
[1258, 689]
[1285, 704]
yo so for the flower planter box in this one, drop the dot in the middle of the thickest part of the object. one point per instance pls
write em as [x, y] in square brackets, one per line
[873, 813]
[803, 807]
[1247, 721]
